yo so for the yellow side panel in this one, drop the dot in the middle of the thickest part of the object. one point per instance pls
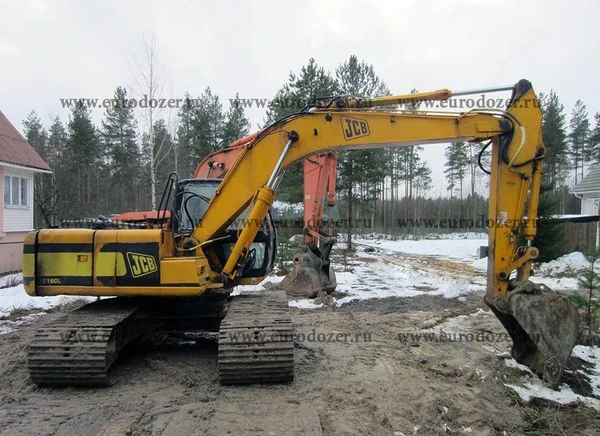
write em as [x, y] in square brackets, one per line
[183, 271]
[109, 264]
[139, 236]
[167, 247]
[64, 264]
[66, 236]
[105, 264]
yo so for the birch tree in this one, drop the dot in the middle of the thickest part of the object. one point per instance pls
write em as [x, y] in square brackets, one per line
[150, 79]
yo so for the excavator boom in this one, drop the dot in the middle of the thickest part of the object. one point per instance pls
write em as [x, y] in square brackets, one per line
[311, 272]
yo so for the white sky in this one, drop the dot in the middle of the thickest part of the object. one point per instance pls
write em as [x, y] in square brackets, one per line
[62, 49]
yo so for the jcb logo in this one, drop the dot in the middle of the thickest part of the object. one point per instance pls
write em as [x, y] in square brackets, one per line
[354, 127]
[141, 264]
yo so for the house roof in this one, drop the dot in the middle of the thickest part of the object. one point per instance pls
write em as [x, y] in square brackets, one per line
[590, 183]
[14, 149]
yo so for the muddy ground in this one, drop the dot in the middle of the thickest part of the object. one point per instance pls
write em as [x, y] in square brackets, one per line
[374, 383]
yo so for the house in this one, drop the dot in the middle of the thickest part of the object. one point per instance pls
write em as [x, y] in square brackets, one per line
[588, 190]
[18, 164]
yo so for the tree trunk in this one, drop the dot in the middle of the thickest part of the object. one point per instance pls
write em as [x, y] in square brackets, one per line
[350, 183]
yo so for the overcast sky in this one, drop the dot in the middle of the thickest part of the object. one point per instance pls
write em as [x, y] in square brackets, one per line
[61, 49]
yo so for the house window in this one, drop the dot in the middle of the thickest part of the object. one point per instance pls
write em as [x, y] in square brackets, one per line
[16, 191]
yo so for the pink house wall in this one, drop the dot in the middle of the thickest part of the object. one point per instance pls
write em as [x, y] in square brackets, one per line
[11, 244]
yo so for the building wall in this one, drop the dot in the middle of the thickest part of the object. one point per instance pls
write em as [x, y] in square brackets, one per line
[589, 206]
[15, 222]
[1, 201]
[11, 251]
[19, 218]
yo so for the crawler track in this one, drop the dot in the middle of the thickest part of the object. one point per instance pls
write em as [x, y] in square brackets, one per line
[256, 340]
[79, 348]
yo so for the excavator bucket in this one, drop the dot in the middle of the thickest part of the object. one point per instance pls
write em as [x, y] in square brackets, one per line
[543, 326]
[310, 274]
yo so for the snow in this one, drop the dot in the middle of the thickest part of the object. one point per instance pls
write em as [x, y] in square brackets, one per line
[10, 280]
[283, 208]
[304, 304]
[533, 387]
[480, 264]
[573, 261]
[564, 395]
[590, 355]
[455, 248]
[554, 273]
[15, 298]
[382, 278]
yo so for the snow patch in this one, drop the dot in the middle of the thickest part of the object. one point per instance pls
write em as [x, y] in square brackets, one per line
[15, 298]
[590, 355]
[463, 249]
[564, 395]
[573, 261]
[533, 387]
[283, 208]
[10, 280]
[480, 264]
[304, 303]
[383, 279]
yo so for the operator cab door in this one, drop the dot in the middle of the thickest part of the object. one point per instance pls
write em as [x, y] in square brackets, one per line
[189, 206]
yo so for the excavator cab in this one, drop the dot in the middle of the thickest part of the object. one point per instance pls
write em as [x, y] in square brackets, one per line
[192, 197]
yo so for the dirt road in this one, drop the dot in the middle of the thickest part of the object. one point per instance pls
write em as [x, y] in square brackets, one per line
[373, 379]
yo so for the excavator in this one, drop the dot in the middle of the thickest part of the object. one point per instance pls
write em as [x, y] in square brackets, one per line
[220, 234]
[312, 272]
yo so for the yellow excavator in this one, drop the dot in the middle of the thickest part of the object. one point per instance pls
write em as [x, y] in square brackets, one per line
[220, 235]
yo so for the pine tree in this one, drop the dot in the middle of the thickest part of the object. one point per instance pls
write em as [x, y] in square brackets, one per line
[84, 163]
[580, 150]
[359, 79]
[595, 138]
[362, 170]
[551, 236]
[35, 133]
[237, 125]
[57, 143]
[300, 90]
[37, 136]
[208, 124]
[409, 164]
[184, 145]
[456, 168]
[589, 282]
[123, 157]
[54, 204]
[553, 134]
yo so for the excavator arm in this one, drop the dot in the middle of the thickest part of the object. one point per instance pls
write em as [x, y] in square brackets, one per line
[542, 324]
[311, 272]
